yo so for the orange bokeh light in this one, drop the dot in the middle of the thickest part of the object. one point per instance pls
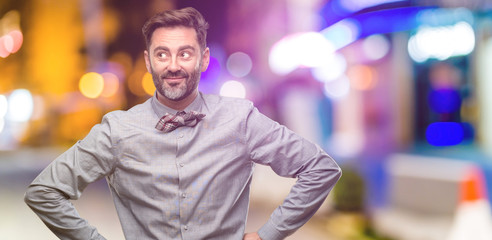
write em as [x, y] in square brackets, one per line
[148, 84]
[362, 77]
[91, 84]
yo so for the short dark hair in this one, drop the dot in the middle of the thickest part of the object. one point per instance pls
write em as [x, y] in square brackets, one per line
[186, 17]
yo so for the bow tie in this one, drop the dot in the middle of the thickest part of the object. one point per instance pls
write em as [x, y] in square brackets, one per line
[169, 122]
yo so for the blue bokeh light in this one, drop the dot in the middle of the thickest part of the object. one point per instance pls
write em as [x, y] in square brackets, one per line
[445, 133]
[444, 100]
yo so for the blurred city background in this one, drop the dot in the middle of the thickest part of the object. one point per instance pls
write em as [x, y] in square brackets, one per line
[398, 92]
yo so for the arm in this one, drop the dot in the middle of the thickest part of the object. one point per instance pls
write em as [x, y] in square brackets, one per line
[290, 155]
[65, 178]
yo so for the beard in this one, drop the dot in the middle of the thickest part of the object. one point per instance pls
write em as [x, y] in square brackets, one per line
[177, 92]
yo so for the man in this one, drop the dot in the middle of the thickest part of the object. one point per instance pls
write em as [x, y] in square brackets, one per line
[190, 182]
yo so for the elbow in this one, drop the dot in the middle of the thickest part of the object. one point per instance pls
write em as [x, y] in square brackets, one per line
[332, 177]
[328, 176]
[336, 174]
[339, 173]
[332, 174]
[36, 195]
[31, 195]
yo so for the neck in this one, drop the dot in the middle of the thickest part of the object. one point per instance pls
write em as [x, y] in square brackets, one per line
[178, 105]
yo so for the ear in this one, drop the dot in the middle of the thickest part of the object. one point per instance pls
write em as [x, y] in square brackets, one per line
[147, 61]
[205, 59]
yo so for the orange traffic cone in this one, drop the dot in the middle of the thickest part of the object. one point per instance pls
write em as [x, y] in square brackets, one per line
[473, 218]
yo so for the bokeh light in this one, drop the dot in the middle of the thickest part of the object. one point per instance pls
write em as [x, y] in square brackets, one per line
[310, 49]
[375, 46]
[2, 124]
[444, 133]
[362, 77]
[111, 84]
[91, 84]
[39, 110]
[135, 84]
[346, 143]
[11, 37]
[233, 89]
[434, 42]
[17, 38]
[213, 71]
[338, 88]
[3, 111]
[20, 106]
[414, 52]
[465, 41]
[4, 52]
[148, 84]
[279, 59]
[8, 43]
[3, 106]
[342, 33]
[444, 100]
[331, 69]
[239, 64]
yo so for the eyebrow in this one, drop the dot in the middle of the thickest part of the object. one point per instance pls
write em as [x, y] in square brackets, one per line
[179, 49]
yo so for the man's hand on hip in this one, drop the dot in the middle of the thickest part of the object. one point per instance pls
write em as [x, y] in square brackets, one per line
[251, 236]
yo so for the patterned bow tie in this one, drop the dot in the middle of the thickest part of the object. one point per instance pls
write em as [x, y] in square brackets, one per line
[170, 122]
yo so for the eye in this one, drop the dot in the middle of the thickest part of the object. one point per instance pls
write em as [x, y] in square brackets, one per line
[185, 55]
[162, 55]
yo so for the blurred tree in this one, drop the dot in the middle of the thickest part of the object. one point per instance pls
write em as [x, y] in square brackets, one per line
[348, 194]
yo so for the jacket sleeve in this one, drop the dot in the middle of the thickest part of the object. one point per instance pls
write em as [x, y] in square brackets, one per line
[65, 178]
[290, 155]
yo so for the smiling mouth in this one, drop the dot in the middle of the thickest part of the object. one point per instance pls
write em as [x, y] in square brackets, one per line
[173, 81]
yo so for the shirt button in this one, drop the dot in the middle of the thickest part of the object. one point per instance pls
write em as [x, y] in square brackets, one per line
[185, 227]
[181, 135]
[183, 195]
[181, 164]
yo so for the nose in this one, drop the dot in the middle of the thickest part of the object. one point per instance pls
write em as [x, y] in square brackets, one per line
[174, 65]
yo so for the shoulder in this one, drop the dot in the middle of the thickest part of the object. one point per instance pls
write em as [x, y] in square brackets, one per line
[226, 111]
[227, 103]
[136, 113]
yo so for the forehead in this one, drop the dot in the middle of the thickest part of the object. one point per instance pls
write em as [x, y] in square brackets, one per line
[173, 36]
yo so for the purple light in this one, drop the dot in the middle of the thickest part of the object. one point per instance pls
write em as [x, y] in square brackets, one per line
[213, 71]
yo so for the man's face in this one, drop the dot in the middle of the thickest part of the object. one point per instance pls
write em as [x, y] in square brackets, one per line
[175, 61]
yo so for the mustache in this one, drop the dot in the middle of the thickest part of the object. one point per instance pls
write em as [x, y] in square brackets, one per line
[176, 74]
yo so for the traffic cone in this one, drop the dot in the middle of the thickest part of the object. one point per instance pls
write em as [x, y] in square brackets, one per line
[473, 218]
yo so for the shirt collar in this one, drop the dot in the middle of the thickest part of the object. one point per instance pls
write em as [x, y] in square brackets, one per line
[161, 109]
